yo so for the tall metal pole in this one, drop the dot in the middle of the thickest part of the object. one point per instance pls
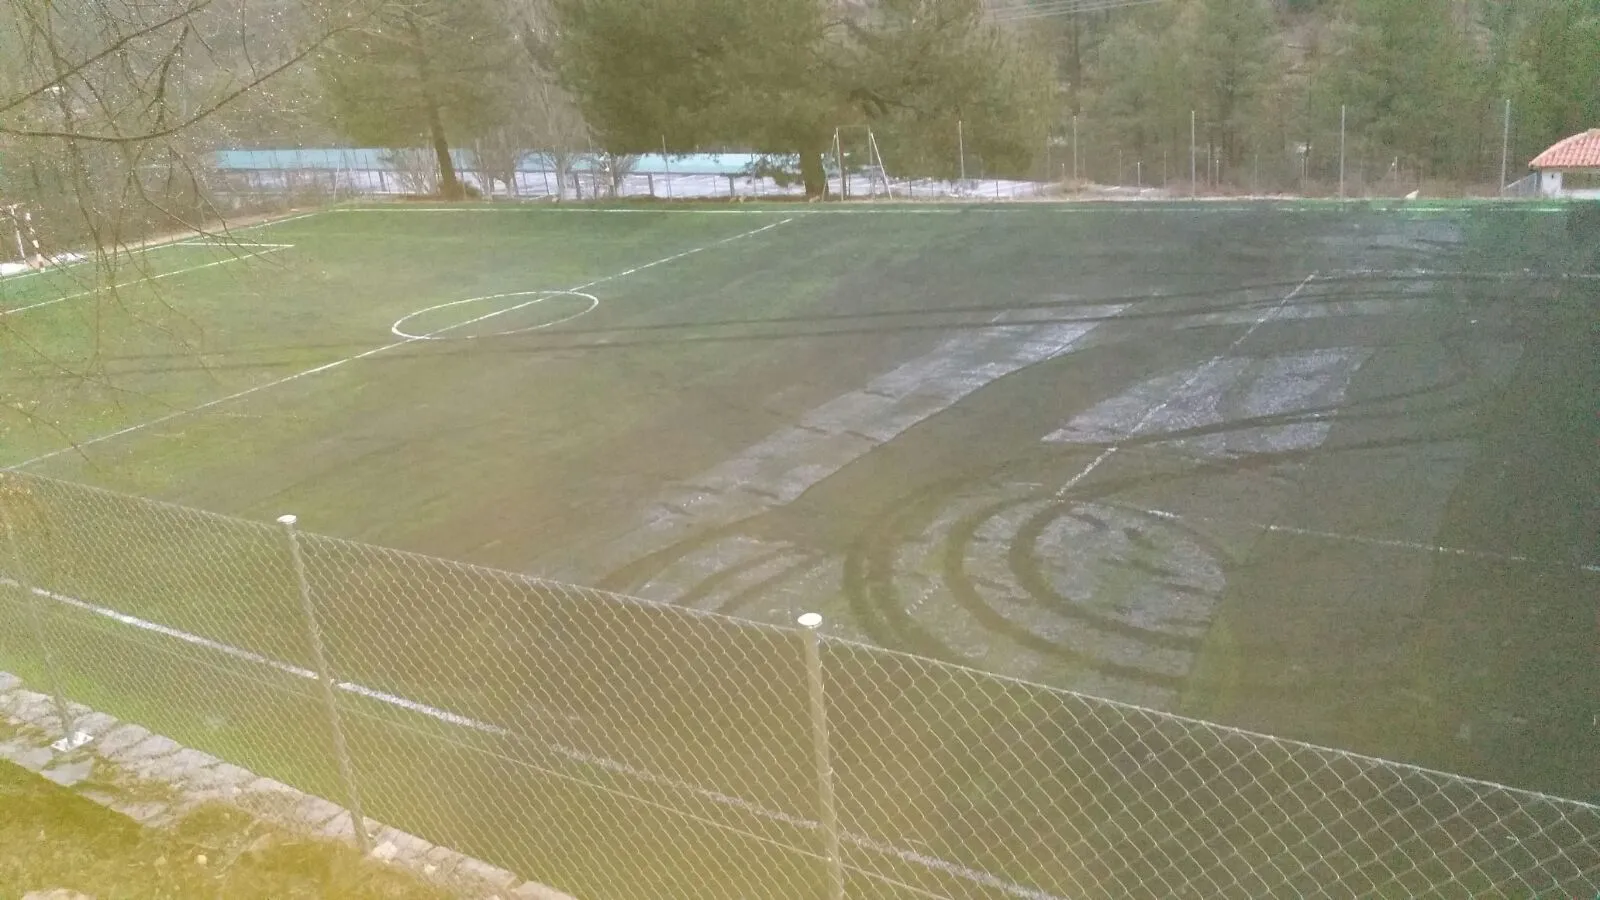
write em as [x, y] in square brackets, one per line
[827, 809]
[961, 145]
[1074, 147]
[1341, 150]
[1193, 174]
[844, 177]
[1505, 147]
[324, 674]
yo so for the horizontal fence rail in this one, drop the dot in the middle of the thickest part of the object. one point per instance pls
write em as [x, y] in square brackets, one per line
[617, 748]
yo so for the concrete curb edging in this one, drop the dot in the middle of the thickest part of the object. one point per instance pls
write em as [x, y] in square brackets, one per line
[184, 779]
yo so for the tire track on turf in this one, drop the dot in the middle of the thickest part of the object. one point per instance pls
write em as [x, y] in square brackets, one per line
[327, 367]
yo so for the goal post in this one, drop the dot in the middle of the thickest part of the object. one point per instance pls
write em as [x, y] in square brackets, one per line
[25, 234]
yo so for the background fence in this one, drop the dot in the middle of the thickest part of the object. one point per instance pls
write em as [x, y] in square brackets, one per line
[244, 179]
[616, 748]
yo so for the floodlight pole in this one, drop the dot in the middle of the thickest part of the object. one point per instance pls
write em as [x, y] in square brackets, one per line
[1074, 146]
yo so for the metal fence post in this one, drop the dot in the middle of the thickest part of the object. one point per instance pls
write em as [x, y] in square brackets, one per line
[1341, 151]
[828, 812]
[70, 739]
[961, 148]
[319, 658]
[1505, 148]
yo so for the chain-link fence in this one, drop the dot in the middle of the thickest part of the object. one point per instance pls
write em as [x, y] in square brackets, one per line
[262, 179]
[617, 748]
[1335, 151]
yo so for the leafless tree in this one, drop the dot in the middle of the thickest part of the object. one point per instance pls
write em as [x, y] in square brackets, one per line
[109, 111]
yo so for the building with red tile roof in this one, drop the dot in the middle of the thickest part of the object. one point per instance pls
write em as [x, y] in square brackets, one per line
[1576, 155]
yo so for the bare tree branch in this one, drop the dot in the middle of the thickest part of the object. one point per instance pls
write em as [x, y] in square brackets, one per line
[70, 69]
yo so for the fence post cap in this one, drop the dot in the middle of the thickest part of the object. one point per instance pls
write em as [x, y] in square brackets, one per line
[810, 620]
[288, 519]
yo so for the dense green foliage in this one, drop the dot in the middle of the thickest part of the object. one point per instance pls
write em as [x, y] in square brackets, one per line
[1273, 94]
[782, 75]
[1421, 86]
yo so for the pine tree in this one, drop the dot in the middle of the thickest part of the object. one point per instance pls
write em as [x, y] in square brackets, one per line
[778, 76]
[1231, 66]
[1554, 72]
[1410, 80]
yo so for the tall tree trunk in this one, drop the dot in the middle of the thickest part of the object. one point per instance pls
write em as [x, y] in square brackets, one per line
[449, 184]
[813, 173]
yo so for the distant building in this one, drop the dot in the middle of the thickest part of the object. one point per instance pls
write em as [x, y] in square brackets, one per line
[1571, 168]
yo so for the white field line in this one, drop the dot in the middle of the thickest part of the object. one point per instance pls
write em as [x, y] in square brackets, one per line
[531, 208]
[576, 756]
[931, 208]
[588, 759]
[247, 656]
[1463, 274]
[623, 274]
[228, 244]
[171, 241]
[270, 248]
[325, 367]
[1389, 543]
[1177, 392]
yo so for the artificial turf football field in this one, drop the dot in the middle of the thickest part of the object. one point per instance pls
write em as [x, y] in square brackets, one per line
[1321, 471]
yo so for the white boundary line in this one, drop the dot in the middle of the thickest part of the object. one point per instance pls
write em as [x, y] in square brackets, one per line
[248, 656]
[946, 208]
[541, 296]
[317, 370]
[1194, 376]
[226, 244]
[193, 237]
[570, 754]
[584, 758]
[270, 248]
[1462, 275]
[1390, 543]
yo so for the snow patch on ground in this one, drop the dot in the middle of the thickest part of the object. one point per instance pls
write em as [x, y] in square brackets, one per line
[60, 259]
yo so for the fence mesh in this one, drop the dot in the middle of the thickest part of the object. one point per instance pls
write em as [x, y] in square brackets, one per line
[616, 748]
